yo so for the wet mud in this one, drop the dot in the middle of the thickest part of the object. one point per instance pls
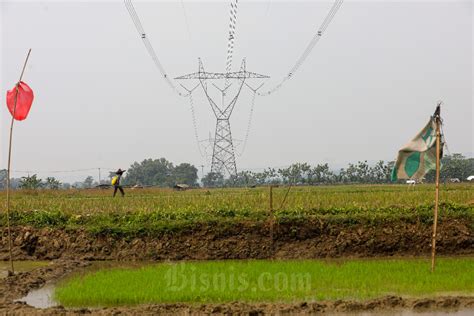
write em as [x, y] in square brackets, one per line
[246, 240]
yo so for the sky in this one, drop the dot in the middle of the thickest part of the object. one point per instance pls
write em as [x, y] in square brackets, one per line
[368, 86]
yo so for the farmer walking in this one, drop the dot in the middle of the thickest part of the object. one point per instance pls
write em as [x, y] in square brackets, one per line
[116, 182]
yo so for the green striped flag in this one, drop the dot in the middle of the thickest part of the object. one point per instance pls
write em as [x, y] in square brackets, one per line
[418, 157]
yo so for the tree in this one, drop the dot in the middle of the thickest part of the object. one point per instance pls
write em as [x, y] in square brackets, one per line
[297, 173]
[150, 172]
[161, 172]
[320, 174]
[52, 183]
[453, 166]
[457, 166]
[242, 179]
[30, 182]
[88, 182]
[77, 185]
[65, 186]
[213, 179]
[388, 171]
[185, 173]
[3, 179]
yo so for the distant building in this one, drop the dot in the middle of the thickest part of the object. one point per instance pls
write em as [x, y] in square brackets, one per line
[181, 187]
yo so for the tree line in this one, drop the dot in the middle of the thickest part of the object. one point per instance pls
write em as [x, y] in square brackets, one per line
[163, 173]
[454, 166]
[149, 172]
[160, 172]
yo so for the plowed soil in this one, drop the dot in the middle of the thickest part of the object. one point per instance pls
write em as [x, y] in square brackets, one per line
[246, 240]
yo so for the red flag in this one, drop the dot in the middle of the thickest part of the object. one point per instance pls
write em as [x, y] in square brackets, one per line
[23, 102]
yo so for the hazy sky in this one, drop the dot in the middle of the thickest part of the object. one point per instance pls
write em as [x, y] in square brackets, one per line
[368, 86]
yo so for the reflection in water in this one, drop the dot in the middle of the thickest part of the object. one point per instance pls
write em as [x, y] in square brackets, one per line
[41, 298]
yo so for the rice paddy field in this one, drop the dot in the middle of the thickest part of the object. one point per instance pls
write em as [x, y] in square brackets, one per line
[268, 281]
[216, 247]
[155, 210]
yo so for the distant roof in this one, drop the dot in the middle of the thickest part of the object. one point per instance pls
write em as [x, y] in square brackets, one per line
[183, 186]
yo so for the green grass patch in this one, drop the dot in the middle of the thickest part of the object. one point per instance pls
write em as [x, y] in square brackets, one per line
[266, 281]
[156, 211]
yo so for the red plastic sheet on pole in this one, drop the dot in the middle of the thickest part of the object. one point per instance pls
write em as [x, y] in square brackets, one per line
[23, 102]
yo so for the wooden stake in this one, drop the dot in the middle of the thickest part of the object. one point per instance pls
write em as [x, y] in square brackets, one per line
[271, 217]
[9, 165]
[435, 220]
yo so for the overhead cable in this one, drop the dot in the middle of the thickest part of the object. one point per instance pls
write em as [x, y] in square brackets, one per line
[231, 38]
[249, 123]
[193, 115]
[186, 20]
[151, 51]
[320, 31]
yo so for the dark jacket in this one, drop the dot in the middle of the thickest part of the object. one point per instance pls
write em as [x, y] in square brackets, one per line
[119, 174]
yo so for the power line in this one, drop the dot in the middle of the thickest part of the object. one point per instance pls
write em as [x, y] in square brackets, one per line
[193, 115]
[151, 51]
[249, 123]
[231, 38]
[223, 114]
[64, 171]
[268, 7]
[141, 31]
[332, 12]
[186, 19]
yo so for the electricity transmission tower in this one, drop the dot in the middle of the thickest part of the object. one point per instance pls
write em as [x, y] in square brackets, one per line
[223, 156]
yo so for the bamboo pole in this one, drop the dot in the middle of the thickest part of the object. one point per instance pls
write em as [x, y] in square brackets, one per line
[271, 218]
[9, 165]
[435, 220]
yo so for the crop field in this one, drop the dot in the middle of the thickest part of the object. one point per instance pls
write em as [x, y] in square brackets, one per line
[261, 280]
[163, 209]
[212, 246]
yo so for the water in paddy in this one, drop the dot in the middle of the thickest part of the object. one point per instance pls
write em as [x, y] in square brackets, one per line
[20, 266]
[43, 298]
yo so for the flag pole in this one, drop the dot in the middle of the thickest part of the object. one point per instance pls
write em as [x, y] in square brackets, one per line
[9, 165]
[437, 118]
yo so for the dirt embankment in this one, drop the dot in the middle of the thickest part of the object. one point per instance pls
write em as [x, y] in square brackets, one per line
[14, 287]
[309, 239]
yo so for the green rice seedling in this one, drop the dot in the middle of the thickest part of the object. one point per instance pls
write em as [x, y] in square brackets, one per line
[267, 281]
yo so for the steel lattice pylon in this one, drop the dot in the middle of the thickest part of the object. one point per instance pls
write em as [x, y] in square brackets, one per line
[223, 156]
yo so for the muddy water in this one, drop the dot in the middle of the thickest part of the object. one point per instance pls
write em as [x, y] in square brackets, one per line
[41, 298]
[44, 296]
[20, 266]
